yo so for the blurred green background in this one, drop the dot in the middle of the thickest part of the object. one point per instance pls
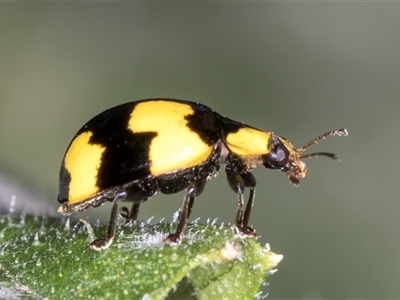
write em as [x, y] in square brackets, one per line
[298, 69]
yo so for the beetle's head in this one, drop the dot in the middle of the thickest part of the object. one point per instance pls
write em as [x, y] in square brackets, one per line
[285, 157]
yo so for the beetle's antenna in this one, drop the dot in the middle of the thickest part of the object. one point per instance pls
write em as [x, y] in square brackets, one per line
[316, 154]
[339, 132]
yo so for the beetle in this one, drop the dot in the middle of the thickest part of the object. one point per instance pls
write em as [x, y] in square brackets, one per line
[135, 150]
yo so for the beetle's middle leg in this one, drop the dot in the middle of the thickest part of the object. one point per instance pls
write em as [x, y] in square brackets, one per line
[194, 190]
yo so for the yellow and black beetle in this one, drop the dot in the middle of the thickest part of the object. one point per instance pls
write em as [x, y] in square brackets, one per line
[138, 149]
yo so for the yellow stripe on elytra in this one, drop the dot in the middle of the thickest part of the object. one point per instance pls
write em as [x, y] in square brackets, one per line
[249, 141]
[82, 161]
[176, 146]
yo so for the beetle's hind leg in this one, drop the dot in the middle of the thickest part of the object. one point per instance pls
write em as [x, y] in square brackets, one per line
[194, 190]
[238, 183]
[105, 242]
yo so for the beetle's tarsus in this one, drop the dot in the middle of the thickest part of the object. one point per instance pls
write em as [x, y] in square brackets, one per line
[172, 239]
[246, 231]
[101, 244]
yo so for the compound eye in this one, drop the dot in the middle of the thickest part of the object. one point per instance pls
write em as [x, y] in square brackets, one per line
[280, 155]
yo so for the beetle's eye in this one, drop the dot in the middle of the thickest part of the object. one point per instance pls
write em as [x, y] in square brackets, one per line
[279, 155]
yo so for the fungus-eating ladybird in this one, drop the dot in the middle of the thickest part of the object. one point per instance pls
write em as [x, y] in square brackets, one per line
[135, 150]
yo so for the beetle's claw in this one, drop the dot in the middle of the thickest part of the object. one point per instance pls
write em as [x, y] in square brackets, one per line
[124, 213]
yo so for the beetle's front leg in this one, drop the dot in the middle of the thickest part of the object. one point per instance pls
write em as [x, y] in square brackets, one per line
[238, 183]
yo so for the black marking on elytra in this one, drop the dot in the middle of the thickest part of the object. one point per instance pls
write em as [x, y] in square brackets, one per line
[65, 179]
[125, 157]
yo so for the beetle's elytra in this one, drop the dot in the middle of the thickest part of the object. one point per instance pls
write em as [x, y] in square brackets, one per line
[135, 150]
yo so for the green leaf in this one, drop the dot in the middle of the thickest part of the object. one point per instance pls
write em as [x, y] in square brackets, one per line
[47, 258]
